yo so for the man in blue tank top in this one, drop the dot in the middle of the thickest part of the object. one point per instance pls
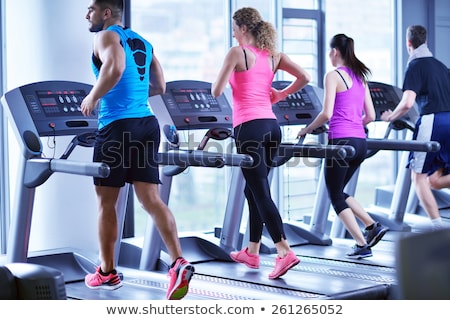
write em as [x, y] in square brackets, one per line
[128, 139]
[426, 82]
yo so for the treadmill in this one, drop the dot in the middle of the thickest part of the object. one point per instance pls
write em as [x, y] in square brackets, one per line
[324, 269]
[321, 277]
[46, 109]
[387, 97]
[50, 109]
[213, 267]
[384, 97]
[186, 105]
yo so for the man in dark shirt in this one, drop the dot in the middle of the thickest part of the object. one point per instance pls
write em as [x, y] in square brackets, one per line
[427, 83]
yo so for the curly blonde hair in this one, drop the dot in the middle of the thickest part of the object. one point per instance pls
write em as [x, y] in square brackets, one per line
[263, 31]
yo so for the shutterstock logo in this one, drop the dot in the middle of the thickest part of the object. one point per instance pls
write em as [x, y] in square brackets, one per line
[219, 152]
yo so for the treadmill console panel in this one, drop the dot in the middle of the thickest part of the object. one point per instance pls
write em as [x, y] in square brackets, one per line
[54, 104]
[300, 107]
[386, 97]
[192, 106]
[55, 107]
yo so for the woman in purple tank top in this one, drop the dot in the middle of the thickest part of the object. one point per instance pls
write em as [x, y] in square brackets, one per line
[348, 108]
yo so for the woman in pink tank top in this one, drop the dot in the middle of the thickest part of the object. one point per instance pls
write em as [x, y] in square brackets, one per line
[250, 68]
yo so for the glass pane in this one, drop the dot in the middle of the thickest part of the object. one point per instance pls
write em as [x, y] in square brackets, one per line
[298, 177]
[300, 43]
[296, 4]
[370, 25]
[265, 7]
[188, 36]
[190, 39]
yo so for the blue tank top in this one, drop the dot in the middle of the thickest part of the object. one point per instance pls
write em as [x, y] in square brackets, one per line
[129, 97]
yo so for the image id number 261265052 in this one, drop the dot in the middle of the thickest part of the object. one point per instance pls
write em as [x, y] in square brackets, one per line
[307, 309]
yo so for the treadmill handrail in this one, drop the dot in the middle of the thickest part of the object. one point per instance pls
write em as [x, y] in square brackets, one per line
[38, 170]
[286, 151]
[178, 160]
[403, 145]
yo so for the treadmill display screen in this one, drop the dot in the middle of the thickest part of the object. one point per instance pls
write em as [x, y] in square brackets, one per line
[45, 102]
[53, 108]
[386, 97]
[298, 108]
[190, 105]
[194, 100]
[383, 97]
[56, 103]
[299, 100]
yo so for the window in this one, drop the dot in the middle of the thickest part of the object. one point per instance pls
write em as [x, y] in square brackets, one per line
[307, 27]
[301, 34]
[371, 26]
[191, 38]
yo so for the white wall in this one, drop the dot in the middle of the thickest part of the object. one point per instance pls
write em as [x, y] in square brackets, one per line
[47, 40]
[50, 40]
[435, 16]
[442, 24]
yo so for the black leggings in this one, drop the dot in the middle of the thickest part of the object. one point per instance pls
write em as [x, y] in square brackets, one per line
[260, 139]
[339, 172]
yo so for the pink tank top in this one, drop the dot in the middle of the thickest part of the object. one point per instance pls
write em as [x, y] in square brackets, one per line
[251, 90]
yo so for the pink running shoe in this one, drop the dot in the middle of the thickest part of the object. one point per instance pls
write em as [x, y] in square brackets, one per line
[282, 265]
[249, 259]
[98, 281]
[180, 274]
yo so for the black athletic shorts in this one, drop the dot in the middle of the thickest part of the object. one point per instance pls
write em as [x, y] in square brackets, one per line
[130, 148]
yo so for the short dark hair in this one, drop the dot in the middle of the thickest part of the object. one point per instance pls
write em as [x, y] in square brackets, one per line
[417, 34]
[116, 6]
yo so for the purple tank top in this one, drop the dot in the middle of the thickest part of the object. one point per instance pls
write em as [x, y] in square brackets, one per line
[346, 121]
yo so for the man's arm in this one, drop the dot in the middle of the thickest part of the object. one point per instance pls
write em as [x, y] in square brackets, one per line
[157, 81]
[108, 49]
[405, 104]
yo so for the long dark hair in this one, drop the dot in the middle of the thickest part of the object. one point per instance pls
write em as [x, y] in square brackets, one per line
[346, 47]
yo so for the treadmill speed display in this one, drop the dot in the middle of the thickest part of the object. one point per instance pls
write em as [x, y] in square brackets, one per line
[194, 100]
[56, 103]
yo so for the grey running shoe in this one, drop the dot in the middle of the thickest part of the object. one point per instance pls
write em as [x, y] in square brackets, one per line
[375, 234]
[360, 252]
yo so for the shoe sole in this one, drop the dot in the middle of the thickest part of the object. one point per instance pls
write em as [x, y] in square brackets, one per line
[105, 286]
[181, 287]
[360, 256]
[285, 270]
[377, 238]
